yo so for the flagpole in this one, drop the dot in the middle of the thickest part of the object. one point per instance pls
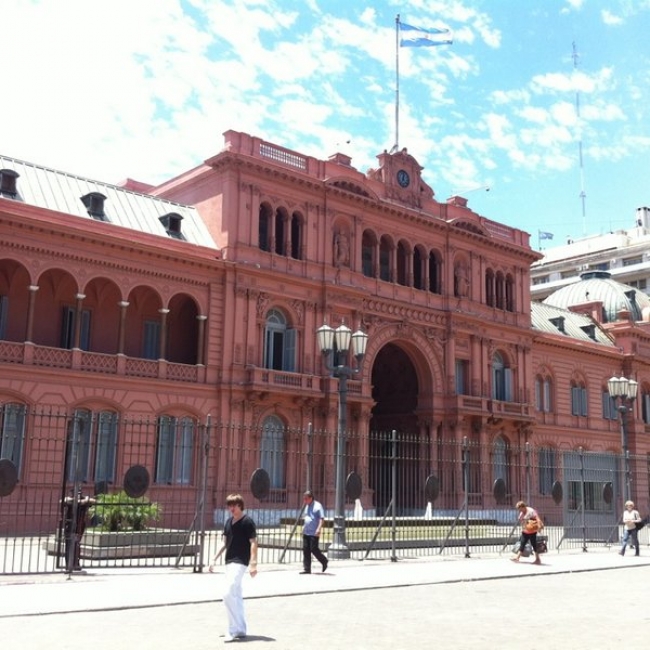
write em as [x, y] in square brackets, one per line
[396, 147]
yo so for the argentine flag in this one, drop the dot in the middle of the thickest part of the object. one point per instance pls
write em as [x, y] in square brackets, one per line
[419, 37]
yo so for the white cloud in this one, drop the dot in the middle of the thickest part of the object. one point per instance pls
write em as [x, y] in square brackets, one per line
[610, 19]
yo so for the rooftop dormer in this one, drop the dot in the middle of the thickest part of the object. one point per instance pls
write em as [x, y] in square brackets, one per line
[94, 202]
[8, 178]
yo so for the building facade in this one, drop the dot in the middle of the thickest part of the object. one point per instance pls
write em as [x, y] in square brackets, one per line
[624, 253]
[173, 328]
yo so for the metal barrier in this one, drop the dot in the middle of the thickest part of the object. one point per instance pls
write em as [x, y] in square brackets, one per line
[407, 494]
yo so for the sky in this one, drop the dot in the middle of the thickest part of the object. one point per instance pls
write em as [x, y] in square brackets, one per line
[145, 89]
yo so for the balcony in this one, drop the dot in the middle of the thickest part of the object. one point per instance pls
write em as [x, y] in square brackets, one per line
[265, 379]
[472, 405]
[42, 356]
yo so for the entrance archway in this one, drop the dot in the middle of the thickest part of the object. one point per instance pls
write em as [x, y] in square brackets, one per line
[396, 391]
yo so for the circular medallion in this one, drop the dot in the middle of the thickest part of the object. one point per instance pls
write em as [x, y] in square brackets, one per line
[403, 178]
[8, 477]
[499, 491]
[136, 481]
[260, 483]
[353, 486]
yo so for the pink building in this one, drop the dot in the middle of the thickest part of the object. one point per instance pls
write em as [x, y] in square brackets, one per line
[135, 318]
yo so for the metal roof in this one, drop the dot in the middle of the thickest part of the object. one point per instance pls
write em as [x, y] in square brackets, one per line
[555, 320]
[598, 286]
[55, 190]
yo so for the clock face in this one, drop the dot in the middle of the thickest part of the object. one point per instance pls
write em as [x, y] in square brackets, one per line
[403, 178]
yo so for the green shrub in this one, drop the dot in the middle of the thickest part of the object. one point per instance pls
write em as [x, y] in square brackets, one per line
[117, 512]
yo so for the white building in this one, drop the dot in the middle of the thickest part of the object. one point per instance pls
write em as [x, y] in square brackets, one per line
[625, 254]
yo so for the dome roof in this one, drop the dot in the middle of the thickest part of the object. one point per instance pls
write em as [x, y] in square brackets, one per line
[598, 286]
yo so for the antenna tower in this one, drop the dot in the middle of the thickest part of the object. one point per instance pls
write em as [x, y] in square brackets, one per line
[583, 195]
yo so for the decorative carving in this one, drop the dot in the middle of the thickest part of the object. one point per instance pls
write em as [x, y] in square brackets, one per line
[299, 308]
[262, 304]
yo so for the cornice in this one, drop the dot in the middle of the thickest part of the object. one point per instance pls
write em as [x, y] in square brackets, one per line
[143, 269]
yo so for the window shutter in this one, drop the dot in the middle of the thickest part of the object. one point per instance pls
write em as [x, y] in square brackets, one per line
[164, 455]
[574, 401]
[151, 339]
[507, 384]
[84, 338]
[106, 445]
[583, 401]
[289, 360]
[547, 395]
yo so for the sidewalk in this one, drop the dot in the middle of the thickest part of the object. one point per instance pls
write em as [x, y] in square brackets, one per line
[116, 589]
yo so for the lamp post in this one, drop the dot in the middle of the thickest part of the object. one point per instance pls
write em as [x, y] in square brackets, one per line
[334, 345]
[625, 390]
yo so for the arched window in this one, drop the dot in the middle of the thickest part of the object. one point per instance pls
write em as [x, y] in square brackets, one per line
[368, 247]
[385, 254]
[273, 451]
[296, 236]
[92, 446]
[500, 291]
[501, 379]
[543, 394]
[12, 432]
[175, 450]
[434, 272]
[510, 293]
[547, 470]
[418, 269]
[402, 264]
[578, 398]
[645, 404]
[265, 221]
[489, 288]
[281, 222]
[610, 407]
[279, 343]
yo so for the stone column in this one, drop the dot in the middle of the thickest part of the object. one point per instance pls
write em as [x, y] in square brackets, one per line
[76, 344]
[30, 312]
[163, 332]
[200, 352]
[122, 333]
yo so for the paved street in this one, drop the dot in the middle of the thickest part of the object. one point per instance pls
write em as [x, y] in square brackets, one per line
[522, 607]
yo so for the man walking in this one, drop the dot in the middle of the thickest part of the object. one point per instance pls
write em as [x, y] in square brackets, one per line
[240, 544]
[314, 516]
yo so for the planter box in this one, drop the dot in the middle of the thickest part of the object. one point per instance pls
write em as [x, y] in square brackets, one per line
[106, 545]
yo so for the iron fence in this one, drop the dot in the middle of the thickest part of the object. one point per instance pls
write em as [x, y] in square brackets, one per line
[406, 494]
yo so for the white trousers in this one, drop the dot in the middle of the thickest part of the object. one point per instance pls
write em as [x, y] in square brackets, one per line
[233, 599]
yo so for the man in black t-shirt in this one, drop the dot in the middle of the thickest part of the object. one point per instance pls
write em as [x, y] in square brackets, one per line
[240, 545]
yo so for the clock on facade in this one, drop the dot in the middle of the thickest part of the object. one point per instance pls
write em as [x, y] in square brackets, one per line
[403, 178]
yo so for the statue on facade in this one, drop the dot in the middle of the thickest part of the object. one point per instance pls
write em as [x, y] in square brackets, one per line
[341, 249]
[461, 280]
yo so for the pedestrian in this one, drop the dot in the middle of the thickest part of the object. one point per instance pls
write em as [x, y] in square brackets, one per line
[631, 518]
[531, 524]
[313, 518]
[75, 521]
[240, 545]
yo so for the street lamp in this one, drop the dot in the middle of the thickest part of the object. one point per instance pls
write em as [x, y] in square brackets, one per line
[624, 389]
[334, 345]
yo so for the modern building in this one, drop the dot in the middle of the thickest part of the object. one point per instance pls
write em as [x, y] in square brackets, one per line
[625, 254]
[173, 329]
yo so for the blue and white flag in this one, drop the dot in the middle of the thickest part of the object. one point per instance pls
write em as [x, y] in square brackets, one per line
[545, 235]
[419, 37]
